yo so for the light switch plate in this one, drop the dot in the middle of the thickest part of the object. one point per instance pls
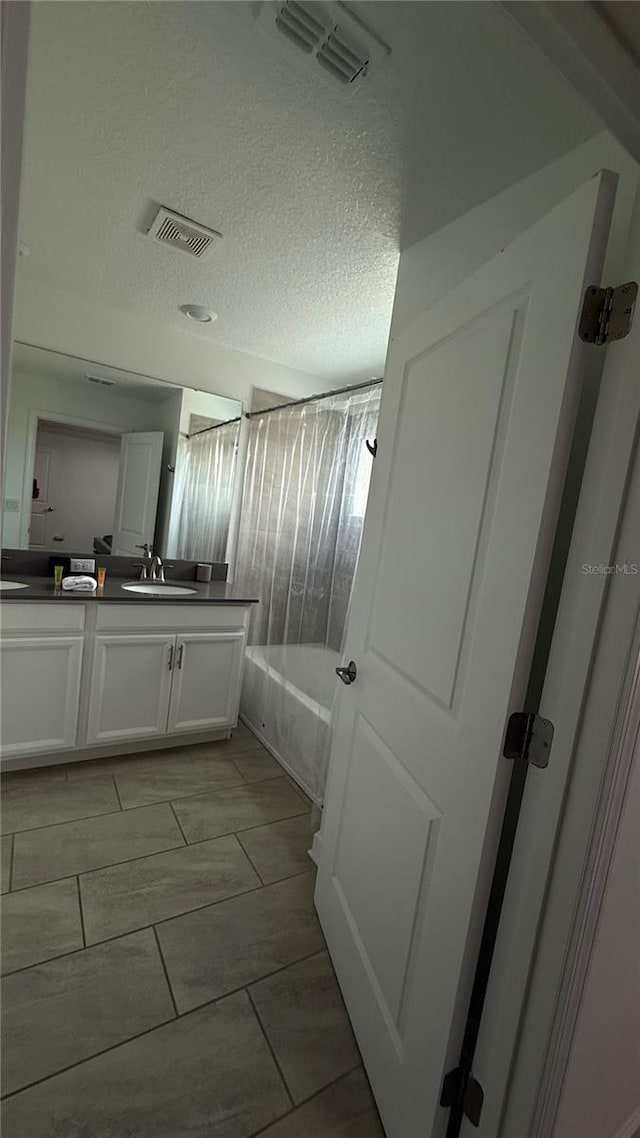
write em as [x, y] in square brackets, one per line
[82, 565]
[11, 505]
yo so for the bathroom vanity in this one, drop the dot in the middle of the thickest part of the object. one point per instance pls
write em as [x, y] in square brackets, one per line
[85, 676]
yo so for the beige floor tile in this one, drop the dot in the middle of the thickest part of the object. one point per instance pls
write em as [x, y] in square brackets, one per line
[40, 923]
[26, 804]
[138, 893]
[344, 1110]
[58, 1013]
[209, 1074]
[255, 766]
[238, 808]
[305, 1021]
[173, 775]
[235, 942]
[279, 849]
[77, 847]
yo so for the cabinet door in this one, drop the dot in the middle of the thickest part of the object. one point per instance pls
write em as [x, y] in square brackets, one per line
[206, 681]
[130, 686]
[40, 693]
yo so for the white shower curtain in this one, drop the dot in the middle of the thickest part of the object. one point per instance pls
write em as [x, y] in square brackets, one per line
[205, 472]
[305, 492]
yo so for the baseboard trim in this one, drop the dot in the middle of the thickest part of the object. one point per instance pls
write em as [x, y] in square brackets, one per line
[315, 853]
[129, 747]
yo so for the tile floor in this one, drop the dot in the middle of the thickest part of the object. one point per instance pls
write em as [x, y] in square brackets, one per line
[165, 975]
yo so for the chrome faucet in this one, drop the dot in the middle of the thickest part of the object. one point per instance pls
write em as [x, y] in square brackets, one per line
[156, 569]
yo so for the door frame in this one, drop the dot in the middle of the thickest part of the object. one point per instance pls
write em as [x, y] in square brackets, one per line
[14, 41]
[33, 422]
[534, 967]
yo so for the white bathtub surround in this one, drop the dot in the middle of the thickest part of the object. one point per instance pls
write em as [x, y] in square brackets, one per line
[287, 696]
[305, 493]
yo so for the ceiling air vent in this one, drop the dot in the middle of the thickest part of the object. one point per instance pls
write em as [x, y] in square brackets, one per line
[328, 34]
[99, 379]
[182, 233]
[297, 22]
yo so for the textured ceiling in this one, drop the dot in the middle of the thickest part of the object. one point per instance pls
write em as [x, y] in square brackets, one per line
[314, 187]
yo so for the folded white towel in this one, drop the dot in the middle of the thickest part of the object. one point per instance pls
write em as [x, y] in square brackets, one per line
[80, 584]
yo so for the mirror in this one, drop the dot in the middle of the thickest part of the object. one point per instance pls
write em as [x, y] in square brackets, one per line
[103, 461]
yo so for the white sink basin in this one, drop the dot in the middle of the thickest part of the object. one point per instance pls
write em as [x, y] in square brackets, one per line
[158, 589]
[13, 585]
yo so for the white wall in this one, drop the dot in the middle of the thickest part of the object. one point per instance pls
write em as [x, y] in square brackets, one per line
[212, 406]
[83, 481]
[601, 1092]
[96, 406]
[433, 267]
[168, 416]
[50, 318]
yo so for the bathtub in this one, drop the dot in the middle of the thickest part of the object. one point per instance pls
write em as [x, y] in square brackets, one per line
[287, 693]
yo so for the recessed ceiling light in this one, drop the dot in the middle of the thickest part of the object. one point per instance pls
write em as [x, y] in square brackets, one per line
[197, 312]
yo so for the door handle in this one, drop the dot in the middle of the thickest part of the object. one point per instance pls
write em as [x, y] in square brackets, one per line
[170, 657]
[180, 651]
[348, 674]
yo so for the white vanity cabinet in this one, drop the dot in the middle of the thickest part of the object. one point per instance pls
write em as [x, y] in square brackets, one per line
[206, 680]
[94, 679]
[130, 687]
[154, 684]
[41, 670]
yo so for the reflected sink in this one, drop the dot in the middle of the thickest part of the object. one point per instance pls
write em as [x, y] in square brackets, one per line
[13, 585]
[158, 589]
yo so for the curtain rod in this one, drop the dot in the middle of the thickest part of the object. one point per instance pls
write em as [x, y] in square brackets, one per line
[215, 426]
[314, 398]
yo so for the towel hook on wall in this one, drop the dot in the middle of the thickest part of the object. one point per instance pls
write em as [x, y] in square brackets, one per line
[372, 447]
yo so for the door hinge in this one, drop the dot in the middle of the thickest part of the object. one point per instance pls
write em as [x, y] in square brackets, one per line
[460, 1088]
[528, 736]
[607, 313]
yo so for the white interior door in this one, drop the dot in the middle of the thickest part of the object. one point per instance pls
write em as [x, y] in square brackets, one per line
[137, 496]
[41, 509]
[477, 410]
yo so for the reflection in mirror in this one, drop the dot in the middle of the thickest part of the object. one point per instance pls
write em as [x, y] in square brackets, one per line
[104, 461]
[203, 495]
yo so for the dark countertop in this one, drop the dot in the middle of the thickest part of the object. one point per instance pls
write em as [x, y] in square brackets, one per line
[43, 589]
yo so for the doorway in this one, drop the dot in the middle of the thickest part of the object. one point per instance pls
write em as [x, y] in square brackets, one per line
[75, 482]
